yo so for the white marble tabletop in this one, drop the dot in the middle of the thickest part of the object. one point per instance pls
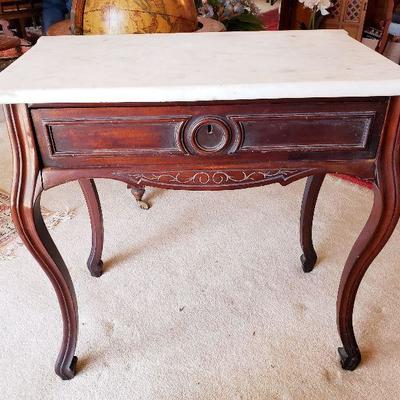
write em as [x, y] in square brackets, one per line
[190, 67]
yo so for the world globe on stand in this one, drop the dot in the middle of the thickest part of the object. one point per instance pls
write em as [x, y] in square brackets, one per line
[139, 16]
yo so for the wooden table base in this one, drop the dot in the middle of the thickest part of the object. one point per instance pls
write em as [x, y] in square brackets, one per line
[201, 146]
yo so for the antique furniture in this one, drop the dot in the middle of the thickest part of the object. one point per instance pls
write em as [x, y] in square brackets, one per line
[184, 127]
[391, 7]
[348, 15]
[82, 20]
[10, 49]
[105, 17]
[20, 11]
[142, 16]
[89, 17]
[9, 42]
[286, 14]
[204, 25]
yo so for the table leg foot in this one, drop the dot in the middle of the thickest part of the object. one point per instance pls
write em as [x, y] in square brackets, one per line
[310, 196]
[143, 205]
[349, 362]
[308, 262]
[138, 193]
[67, 372]
[89, 190]
[96, 270]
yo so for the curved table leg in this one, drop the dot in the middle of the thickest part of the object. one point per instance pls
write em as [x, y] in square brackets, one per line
[28, 219]
[310, 196]
[380, 225]
[138, 193]
[89, 190]
[378, 229]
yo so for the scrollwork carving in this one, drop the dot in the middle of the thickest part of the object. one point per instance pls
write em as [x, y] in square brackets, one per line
[214, 180]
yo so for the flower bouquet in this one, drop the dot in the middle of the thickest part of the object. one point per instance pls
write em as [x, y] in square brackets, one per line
[236, 15]
[319, 9]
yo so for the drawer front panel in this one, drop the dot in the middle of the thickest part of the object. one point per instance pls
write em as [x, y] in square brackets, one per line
[131, 136]
[91, 135]
[275, 132]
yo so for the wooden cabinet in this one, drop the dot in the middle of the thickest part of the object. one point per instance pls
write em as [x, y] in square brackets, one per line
[348, 15]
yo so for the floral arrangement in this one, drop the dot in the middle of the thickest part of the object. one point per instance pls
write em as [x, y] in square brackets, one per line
[319, 9]
[236, 15]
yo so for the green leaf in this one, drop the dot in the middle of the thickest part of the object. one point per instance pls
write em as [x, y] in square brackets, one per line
[244, 22]
[214, 3]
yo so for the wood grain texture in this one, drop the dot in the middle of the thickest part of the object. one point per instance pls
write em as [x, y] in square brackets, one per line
[311, 191]
[384, 40]
[27, 217]
[287, 14]
[206, 146]
[89, 190]
[77, 136]
[378, 229]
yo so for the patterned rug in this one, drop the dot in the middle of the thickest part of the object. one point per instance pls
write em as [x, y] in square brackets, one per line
[9, 239]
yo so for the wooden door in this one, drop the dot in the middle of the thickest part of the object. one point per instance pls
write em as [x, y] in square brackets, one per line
[348, 15]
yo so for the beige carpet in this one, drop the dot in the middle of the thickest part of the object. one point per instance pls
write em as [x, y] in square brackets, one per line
[203, 298]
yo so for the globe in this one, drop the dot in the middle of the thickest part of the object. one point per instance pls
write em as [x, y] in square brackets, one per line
[139, 16]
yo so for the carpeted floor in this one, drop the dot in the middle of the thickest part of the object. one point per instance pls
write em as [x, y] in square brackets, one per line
[203, 298]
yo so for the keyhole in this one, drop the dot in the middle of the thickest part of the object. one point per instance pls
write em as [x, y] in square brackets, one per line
[210, 129]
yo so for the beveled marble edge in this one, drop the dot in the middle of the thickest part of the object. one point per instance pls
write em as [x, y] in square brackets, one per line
[204, 93]
[347, 69]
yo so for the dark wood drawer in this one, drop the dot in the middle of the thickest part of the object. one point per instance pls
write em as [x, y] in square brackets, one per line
[74, 136]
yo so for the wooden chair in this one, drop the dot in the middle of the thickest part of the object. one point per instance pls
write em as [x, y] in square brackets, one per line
[390, 9]
[19, 11]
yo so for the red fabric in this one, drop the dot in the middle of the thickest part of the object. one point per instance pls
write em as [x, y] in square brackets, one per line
[356, 181]
[270, 19]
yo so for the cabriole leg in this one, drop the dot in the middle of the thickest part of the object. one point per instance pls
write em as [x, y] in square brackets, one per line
[28, 219]
[313, 185]
[378, 229]
[380, 225]
[94, 263]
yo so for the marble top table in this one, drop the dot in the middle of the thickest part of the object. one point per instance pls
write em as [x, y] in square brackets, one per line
[187, 67]
[202, 112]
